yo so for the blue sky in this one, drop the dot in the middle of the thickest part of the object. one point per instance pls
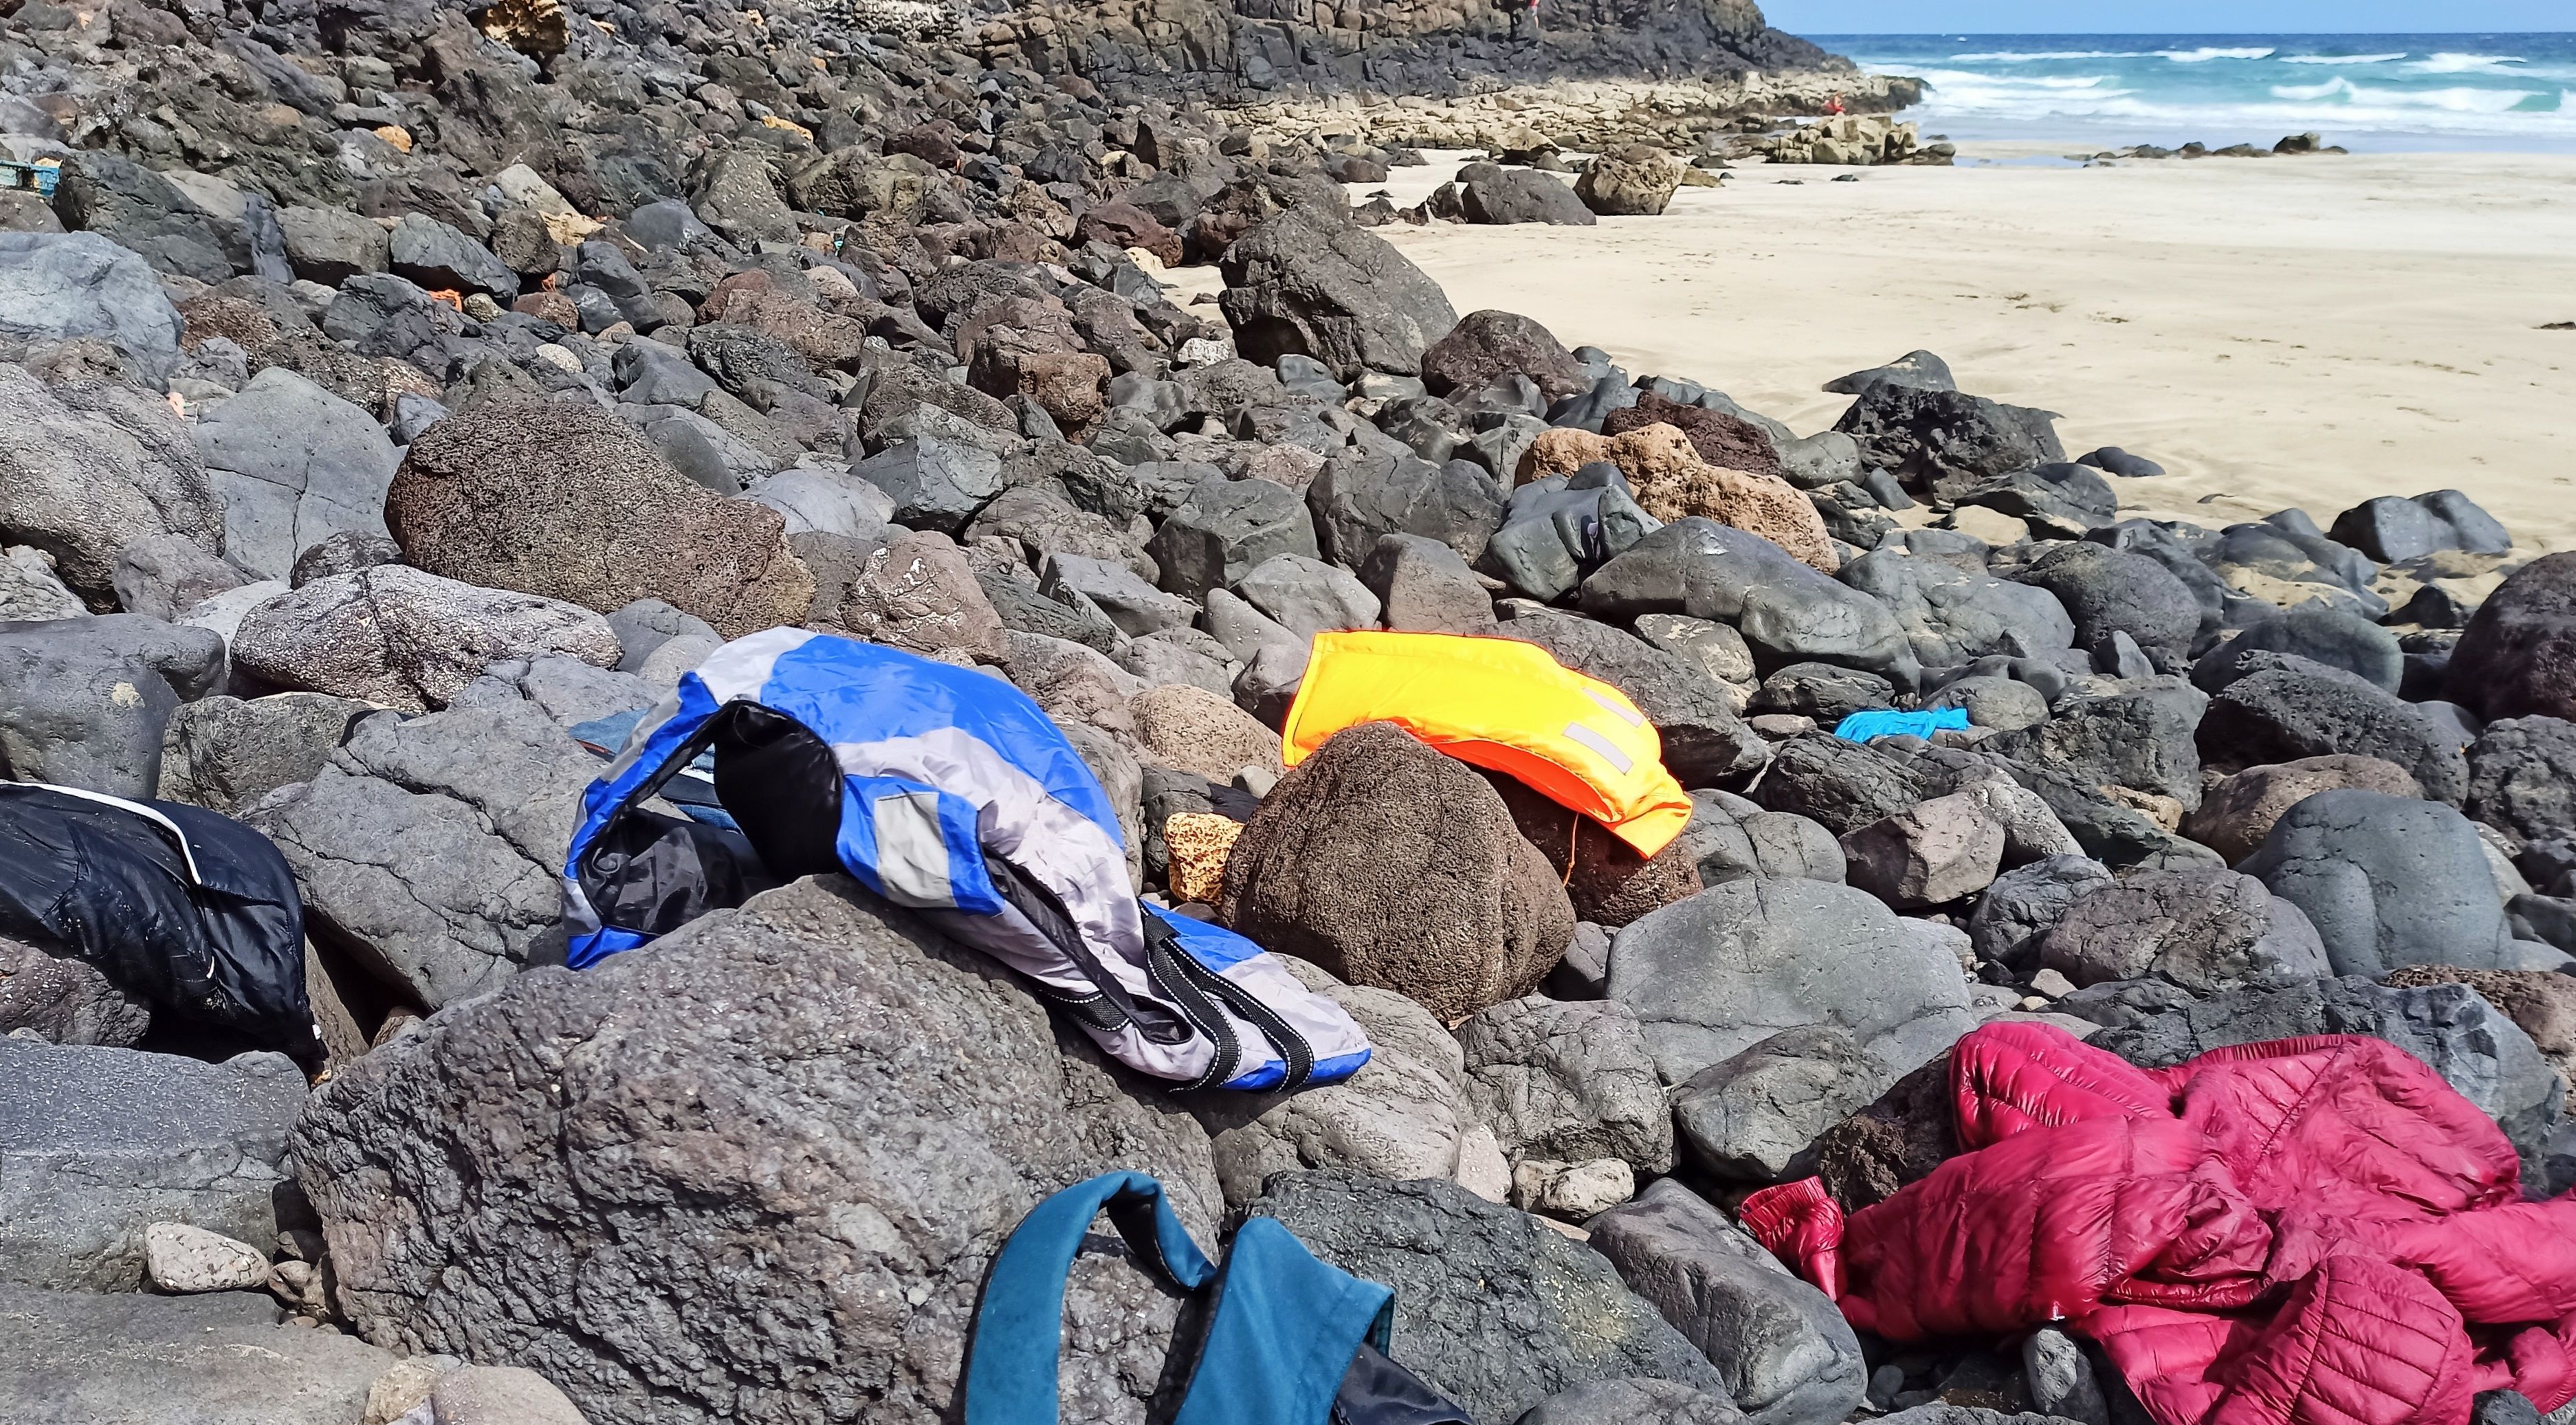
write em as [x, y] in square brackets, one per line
[2152, 17]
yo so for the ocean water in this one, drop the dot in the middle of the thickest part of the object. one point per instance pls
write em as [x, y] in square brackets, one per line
[2367, 92]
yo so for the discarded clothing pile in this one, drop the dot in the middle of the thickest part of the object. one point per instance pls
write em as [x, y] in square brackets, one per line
[189, 911]
[2313, 1231]
[945, 790]
[1500, 704]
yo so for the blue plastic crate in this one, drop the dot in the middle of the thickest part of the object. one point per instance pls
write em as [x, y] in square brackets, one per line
[39, 176]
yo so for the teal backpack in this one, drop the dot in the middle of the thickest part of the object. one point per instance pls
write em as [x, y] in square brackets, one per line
[1292, 1341]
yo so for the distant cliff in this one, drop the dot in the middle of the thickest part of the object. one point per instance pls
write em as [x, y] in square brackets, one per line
[1239, 50]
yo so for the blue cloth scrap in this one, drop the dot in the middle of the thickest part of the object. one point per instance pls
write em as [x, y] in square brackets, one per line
[1876, 723]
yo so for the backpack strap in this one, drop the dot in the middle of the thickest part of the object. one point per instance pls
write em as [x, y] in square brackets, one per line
[1011, 1376]
[1282, 1337]
[1285, 1330]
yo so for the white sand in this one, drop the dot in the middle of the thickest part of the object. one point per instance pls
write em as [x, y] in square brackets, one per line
[2309, 332]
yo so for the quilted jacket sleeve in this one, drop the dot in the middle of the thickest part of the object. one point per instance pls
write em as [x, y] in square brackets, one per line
[2010, 1078]
[2359, 1342]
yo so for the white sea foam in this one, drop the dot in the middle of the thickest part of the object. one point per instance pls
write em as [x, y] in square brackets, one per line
[2448, 63]
[1945, 78]
[2037, 55]
[2203, 56]
[2456, 100]
[2517, 90]
[2348, 110]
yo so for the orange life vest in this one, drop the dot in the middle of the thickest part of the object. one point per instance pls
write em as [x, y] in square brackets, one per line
[1501, 704]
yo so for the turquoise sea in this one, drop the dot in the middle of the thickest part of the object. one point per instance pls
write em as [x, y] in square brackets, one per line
[2367, 92]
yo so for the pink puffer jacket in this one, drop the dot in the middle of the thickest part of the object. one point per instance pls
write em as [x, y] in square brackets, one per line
[2308, 1232]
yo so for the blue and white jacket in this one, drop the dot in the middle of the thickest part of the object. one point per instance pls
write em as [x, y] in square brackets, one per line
[948, 791]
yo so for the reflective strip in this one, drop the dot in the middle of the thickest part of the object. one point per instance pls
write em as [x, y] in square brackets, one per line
[1610, 753]
[177, 837]
[912, 855]
[1624, 713]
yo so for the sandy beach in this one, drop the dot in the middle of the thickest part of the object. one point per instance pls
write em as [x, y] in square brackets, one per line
[2276, 332]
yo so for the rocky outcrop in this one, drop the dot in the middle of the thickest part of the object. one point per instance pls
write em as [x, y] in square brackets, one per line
[1244, 49]
[104, 1142]
[634, 1171]
[431, 850]
[219, 1359]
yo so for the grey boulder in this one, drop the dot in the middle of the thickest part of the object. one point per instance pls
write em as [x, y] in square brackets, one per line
[2016, 913]
[393, 635]
[92, 1358]
[1404, 1115]
[2060, 1377]
[1931, 436]
[2393, 530]
[934, 483]
[223, 753]
[85, 702]
[2314, 631]
[165, 576]
[1131, 604]
[1307, 596]
[1491, 193]
[293, 465]
[438, 257]
[136, 208]
[1787, 611]
[65, 286]
[30, 590]
[1954, 616]
[1310, 283]
[60, 998]
[1493, 1308]
[1711, 976]
[647, 624]
[431, 850]
[1787, 1355]
[1425, 587]
[2207, 931]
[848, 1194]
[2387, 881]
[332, 245]
[104, 1142]
[88, 467]
[2522, 777]
[812, 499]
[2142, 739]
[2110, 591]
[1732, 839]
[1932, 853]
[1224, 530]
[1842, 785]
[1568, 1082]
[1752, 1117]
[1363, 496]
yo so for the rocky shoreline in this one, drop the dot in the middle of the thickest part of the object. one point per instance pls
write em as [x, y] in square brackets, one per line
[396, 404]
[1684, 117]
